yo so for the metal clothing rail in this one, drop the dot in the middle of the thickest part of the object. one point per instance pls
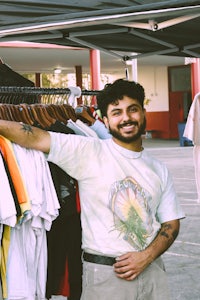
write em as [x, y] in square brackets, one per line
[41, 91]
[30, 95]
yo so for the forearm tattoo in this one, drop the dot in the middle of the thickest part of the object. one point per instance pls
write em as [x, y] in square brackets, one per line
[26, 128]
[168, 232]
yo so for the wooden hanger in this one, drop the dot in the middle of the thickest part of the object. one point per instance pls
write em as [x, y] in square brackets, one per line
[25, 112]
[54, 112]
[24, 115]
[44, 113]
[15, 113]
[4, 114]
[41, 117]
[69, 111]
[37, 116]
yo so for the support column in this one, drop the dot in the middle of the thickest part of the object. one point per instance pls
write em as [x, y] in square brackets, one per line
[79, 81]
[195, 77]
[134, 66]
[37, 80]
[95, 72]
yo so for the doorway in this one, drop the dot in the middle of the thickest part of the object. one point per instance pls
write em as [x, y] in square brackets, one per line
[180, 97]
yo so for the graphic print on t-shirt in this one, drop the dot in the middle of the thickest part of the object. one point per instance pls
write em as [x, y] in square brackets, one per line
[131, 211]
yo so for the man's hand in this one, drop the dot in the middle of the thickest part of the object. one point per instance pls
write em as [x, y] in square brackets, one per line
[130, 265]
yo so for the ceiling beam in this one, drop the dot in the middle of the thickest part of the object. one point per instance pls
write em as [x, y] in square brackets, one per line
[35, 37]
[192, 46]
[93, 46]
[99, 32]
[159, 52]
[191, 53]
[150, 38]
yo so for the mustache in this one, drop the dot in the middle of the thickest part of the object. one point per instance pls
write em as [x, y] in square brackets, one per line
[135, 123]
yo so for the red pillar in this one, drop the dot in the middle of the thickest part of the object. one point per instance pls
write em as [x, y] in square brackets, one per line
[195, 74]
[95, 71]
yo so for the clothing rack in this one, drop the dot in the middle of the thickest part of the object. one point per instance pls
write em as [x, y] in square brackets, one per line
[31, 95]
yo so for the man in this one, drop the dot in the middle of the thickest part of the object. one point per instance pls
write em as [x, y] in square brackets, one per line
[129, 211]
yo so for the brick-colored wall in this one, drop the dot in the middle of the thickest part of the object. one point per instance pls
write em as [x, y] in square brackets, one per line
[158, 123]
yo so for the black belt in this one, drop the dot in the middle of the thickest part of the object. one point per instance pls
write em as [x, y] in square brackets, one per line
[99, 259]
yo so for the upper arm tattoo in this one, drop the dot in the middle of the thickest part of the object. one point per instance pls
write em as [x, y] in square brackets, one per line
[168, 231]
[26, 128]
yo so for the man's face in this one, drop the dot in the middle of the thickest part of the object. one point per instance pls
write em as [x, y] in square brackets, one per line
[126, 120]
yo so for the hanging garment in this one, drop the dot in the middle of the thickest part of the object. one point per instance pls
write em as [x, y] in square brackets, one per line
[8, 212]
[192, 126]
[87, 129]
[26, 270]
[78, 130]
[101, 130]
[8, 216]
[39, 183]
[8, 77]
[64, 275]
[19, 188]
[192, 132]
[7, 152]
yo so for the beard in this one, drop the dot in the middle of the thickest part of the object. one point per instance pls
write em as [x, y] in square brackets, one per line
[129, 139]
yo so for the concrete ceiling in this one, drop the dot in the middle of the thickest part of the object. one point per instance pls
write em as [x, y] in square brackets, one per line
[33, 58]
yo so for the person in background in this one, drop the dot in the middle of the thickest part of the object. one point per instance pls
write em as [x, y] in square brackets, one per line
[130, 214]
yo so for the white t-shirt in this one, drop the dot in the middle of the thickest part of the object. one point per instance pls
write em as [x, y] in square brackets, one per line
[124, 195]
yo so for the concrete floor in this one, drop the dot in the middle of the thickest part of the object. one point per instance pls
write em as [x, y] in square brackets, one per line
[182, 260]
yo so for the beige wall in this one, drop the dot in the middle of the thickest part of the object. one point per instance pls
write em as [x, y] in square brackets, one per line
[155, 81]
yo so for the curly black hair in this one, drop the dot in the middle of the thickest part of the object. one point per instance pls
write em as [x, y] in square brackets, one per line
[113, 92]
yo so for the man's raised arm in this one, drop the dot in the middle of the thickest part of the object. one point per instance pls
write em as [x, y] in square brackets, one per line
[25, 135]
